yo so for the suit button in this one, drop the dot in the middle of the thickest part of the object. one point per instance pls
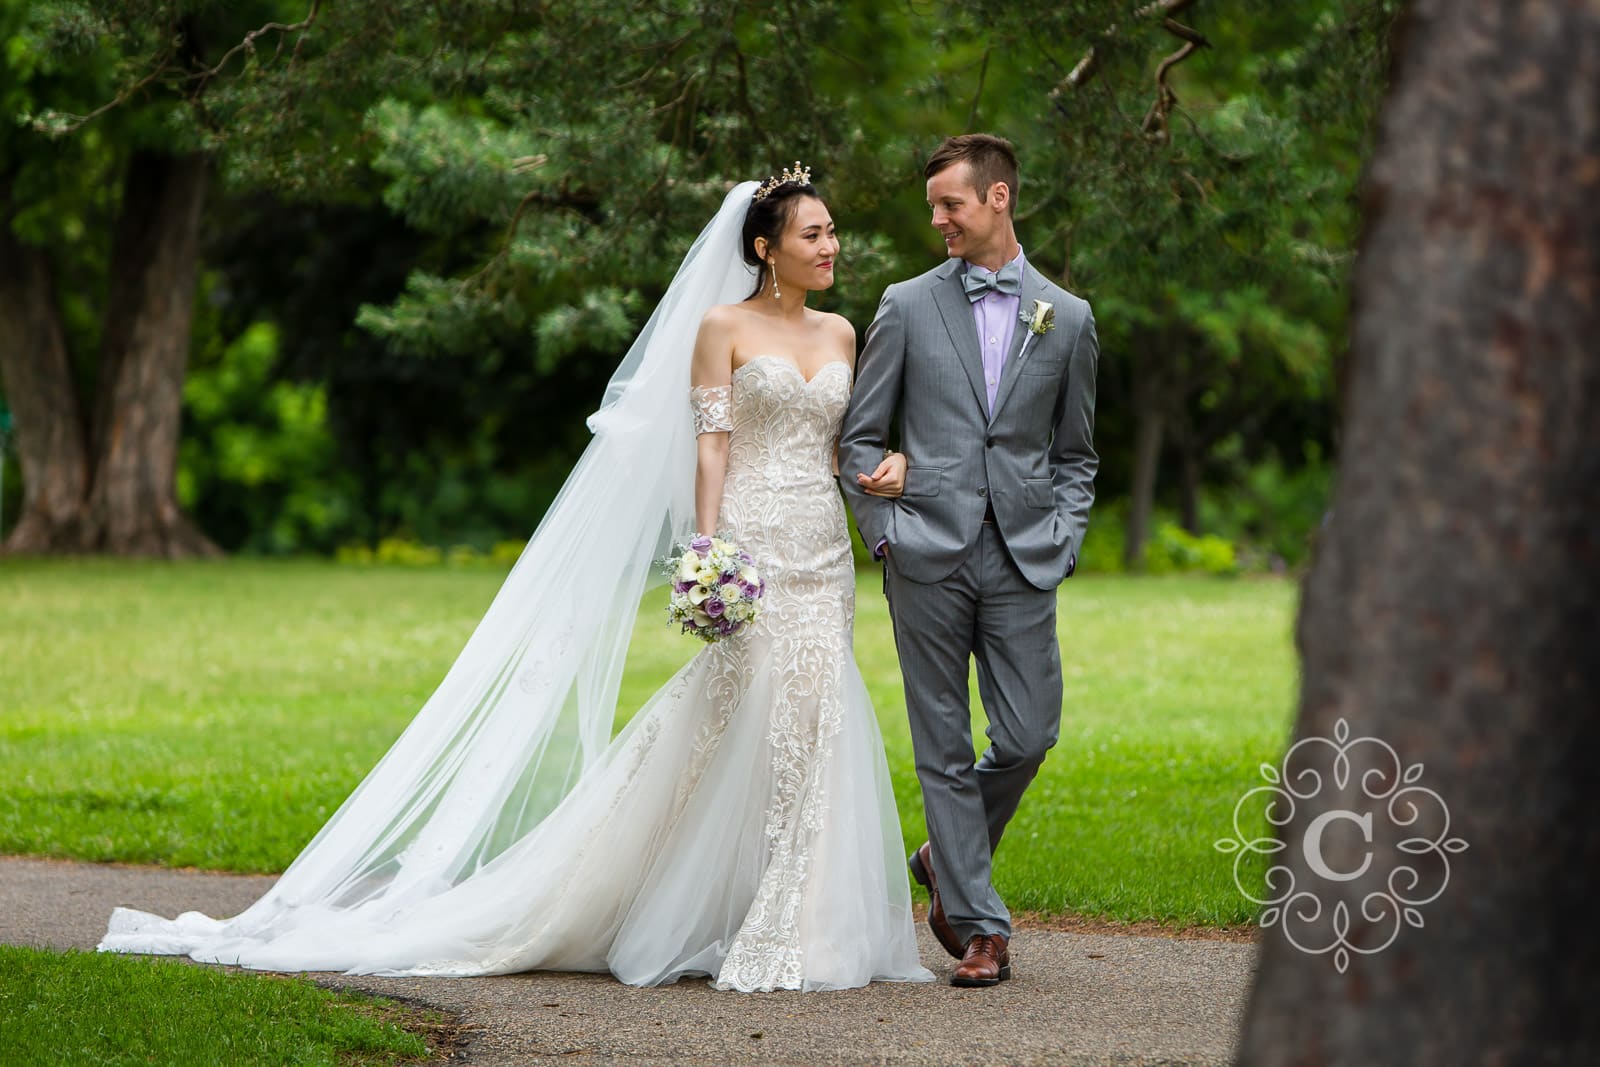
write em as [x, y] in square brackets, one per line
[983, 490]
[988, 442]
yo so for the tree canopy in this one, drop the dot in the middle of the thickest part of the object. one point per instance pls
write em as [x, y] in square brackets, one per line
[429, 232]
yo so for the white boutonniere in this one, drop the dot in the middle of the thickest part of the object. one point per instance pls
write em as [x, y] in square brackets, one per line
[1041, 318]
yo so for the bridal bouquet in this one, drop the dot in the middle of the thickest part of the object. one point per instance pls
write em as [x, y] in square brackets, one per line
[716, 588]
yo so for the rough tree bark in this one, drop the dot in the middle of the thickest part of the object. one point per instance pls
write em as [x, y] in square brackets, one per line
[109, 485]
[1454, 601]
[133, 505]
[49, 424]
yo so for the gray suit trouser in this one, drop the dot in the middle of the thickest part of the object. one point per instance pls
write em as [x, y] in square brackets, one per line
[988, 610]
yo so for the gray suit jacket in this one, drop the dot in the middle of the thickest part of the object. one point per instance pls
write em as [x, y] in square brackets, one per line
[1033, 456]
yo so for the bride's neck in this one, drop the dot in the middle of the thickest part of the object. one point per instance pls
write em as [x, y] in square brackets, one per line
[791, 305]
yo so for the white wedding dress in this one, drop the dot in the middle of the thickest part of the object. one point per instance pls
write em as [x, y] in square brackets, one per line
[741, 826]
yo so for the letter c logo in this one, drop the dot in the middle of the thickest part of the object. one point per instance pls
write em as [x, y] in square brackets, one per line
[1313, 843]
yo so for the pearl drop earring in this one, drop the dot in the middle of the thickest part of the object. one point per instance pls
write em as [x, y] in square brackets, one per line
[774, 265]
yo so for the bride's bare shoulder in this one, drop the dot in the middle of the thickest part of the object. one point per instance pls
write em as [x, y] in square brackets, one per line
[839, 324]
[840, 330]
[724, 316]
[721, 324]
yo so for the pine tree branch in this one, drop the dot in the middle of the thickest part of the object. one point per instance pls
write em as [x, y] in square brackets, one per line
[248, 44]
[1155, 121]
[1086, 67]
[59, 124]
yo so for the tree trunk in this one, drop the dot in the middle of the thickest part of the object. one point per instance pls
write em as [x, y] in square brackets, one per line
[114, 489]
[1189, 490]
[132, 505]
[1455, 598]
[39, 387]
[1187, 443]
[1148, 422]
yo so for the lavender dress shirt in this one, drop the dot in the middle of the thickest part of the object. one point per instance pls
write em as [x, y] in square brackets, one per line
[995, 315]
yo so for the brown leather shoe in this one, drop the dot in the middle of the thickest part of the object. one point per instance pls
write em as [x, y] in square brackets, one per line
[921, 865]
[987, 962]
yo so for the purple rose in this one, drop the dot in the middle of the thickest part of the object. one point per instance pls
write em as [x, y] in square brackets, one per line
[726, 626]
[701, 544]
[683, 587]
[714, 607]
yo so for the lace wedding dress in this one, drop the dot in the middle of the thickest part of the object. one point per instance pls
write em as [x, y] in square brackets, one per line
[741, 826]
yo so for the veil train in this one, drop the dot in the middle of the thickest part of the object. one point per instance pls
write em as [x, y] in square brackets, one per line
[530, 703]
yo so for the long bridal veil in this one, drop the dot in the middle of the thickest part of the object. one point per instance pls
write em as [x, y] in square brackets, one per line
[530, 701]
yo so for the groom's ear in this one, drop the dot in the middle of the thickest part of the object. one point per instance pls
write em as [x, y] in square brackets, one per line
[1000, 197]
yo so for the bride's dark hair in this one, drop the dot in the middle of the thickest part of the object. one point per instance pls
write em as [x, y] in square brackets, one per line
[769, 217]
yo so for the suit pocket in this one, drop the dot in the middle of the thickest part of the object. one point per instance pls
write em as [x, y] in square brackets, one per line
[923, 481]
[1052, 365]
[1037, 492]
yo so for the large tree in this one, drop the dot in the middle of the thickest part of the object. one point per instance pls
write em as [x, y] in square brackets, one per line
[1454, 601]
[97, 410]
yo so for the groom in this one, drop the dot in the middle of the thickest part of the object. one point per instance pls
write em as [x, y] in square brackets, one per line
[990, 371]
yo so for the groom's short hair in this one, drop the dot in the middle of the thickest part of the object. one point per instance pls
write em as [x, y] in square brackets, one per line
[991, 159]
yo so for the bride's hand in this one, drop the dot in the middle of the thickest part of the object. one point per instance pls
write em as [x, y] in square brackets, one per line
[889, 480]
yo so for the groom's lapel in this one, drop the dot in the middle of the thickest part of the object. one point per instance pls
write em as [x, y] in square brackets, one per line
[1021, 350]
[956, 310]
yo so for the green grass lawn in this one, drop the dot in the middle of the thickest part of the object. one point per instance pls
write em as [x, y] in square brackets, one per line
[214, 714]
[79, 1007]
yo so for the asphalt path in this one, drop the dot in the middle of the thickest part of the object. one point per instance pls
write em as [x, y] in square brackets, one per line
[1075, 998]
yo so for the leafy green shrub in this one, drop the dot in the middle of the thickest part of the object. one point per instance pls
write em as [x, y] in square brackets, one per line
[505, 553]
[257, 464]
[405, 551]
[1273, 509]
[1173, 549]
[409, 552]
[1102, 545]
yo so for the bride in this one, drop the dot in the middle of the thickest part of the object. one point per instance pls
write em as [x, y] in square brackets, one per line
[741, 826]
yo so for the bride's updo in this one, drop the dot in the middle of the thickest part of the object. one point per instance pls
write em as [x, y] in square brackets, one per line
[769, 216]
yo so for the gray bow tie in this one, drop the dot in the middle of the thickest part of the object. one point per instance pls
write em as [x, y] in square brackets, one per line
[978, 282]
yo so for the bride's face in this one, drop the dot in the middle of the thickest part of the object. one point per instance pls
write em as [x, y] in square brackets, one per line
[805, 255]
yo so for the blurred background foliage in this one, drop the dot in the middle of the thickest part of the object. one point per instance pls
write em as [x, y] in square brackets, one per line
[433, 229]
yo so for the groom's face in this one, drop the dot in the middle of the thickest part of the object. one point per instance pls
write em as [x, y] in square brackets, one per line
[971, 230]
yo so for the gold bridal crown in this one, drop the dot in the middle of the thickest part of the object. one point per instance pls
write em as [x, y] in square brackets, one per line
[798, 176]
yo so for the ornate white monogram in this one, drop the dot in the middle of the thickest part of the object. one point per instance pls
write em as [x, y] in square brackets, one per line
[1387, 805]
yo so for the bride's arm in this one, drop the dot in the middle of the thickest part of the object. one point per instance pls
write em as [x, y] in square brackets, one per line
[711, 393]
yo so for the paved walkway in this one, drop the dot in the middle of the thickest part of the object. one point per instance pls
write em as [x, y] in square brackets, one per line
[1076, 998]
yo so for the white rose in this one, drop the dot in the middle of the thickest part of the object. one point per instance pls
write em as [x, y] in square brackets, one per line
[689, 566]
[730, 593]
